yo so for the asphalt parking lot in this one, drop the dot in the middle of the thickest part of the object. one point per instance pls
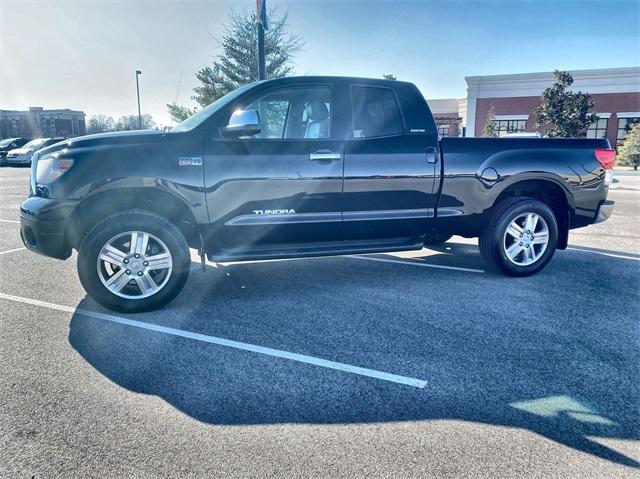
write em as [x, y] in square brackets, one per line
[407, 365]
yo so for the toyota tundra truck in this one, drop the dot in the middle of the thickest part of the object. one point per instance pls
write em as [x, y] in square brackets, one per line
[301, 167]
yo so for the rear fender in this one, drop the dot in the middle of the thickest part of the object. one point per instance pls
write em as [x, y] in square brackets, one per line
[513, 166]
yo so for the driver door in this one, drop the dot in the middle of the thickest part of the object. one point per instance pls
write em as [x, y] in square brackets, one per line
[282, 185]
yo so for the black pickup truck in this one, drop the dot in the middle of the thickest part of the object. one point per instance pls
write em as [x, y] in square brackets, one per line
[296, 167]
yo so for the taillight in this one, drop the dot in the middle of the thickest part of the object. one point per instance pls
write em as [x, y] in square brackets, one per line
[606, 157]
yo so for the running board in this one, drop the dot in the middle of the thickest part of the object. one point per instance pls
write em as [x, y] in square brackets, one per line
[307, 250]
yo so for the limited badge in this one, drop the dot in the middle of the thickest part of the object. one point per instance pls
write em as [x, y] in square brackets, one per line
[190, 161]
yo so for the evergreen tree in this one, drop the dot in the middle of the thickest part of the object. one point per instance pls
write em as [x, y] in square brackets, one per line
[629, 152]
[237, 65]
[562, 113]
[179, 113]
[490, 128]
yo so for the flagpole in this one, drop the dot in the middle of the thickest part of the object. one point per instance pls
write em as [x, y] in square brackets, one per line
[262, 20]
[262, 75]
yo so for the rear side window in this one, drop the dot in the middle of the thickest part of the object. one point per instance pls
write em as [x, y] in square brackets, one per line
[375, 112]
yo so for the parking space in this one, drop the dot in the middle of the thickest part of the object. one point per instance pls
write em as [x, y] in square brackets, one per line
[399, 365]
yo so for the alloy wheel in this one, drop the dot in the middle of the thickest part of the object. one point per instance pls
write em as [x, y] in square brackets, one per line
[526, 239]
[134, 265]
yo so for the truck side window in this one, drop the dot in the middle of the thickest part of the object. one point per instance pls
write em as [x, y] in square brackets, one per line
[273, 110]
[375, 112]
[294, 113]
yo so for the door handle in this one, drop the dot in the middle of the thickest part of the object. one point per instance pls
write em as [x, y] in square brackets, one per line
[324, 156]
[432, 155]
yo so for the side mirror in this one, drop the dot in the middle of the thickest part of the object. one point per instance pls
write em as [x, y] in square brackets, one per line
[242, 123]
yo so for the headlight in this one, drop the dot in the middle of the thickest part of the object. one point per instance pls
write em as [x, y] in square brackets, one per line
[51, 169]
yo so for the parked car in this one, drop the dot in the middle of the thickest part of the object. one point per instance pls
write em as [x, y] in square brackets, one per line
[22, 156]
[299, 167]
[9, 144]
[523, 134]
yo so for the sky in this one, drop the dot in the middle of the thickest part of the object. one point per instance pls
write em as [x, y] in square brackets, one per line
[83, 54]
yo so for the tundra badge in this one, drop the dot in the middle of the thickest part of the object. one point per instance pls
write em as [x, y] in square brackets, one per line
[274, 212]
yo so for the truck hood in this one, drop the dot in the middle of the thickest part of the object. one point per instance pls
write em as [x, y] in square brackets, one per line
[103, 139]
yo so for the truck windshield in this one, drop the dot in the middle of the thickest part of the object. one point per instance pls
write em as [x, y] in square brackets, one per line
[200, 116]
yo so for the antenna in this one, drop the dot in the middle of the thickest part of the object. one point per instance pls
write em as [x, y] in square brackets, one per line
[178, 91]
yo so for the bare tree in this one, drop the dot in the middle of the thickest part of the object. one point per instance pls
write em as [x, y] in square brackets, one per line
[100, 124]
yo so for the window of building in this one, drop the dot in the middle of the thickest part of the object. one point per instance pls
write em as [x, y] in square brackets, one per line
[624, 125]
[598, 128]
[375, 112]
[443, 130]
[510, 126]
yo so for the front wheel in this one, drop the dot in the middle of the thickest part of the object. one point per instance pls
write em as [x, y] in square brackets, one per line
[521, 237]
[133, 261]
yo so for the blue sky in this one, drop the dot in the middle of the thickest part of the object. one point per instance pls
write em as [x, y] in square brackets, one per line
[83, 54]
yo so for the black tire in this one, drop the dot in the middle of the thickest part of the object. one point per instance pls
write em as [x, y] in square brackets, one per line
[436, 239]
[135, 220]
[492, 239]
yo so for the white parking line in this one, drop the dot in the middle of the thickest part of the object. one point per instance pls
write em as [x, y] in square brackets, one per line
[9, 221]
[12, 250]
[416, 263]
[603, 253]
[372, 373]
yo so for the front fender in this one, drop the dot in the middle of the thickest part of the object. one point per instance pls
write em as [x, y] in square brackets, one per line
[143, 162]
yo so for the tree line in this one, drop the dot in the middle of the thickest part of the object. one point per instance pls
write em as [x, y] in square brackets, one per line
[104, 123]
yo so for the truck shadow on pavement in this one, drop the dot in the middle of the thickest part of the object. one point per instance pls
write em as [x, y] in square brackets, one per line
[490, 350]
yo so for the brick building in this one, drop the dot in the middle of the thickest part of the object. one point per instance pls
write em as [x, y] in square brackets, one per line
[616, 92]
[450, 115]
[38, 122]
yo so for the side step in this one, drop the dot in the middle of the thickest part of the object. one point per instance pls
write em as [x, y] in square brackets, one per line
[307, 250]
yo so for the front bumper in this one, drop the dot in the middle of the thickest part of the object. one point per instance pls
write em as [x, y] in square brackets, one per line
[604, 211]
[42, 225]
[18, 160]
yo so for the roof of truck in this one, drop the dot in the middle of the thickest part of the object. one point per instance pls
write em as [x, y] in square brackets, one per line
[329, 78]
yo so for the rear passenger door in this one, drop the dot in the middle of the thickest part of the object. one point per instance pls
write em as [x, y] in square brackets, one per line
[389, 171]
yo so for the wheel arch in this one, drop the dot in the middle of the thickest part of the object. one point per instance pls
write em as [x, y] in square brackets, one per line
[102, 204]
[548, 191]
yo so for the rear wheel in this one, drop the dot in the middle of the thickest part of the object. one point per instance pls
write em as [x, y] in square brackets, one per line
[133, 261]
[521, 237]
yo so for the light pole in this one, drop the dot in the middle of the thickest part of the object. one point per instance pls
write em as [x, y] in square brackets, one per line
[138, 72]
